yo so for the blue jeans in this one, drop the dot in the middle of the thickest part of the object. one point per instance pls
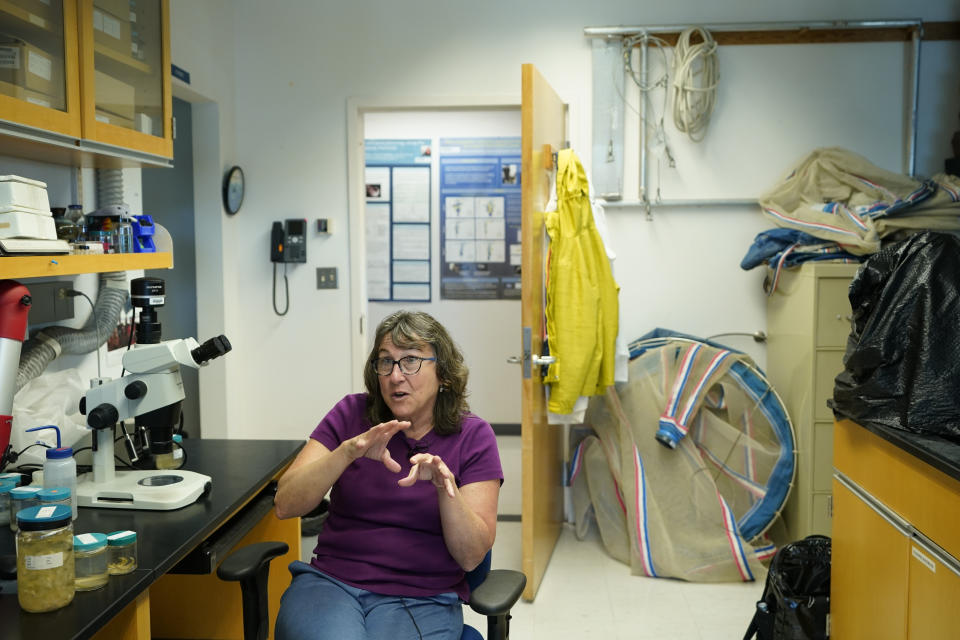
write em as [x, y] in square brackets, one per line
[318, 607]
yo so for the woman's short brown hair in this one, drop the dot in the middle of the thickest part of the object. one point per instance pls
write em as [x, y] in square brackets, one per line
[410, 330]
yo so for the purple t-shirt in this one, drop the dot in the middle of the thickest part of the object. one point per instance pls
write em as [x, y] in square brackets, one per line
[385, 538]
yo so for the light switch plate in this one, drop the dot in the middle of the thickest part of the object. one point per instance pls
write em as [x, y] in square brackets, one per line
[326, 277]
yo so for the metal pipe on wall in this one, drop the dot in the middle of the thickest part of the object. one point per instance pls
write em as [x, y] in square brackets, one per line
[644, 69]
[915, 37]
[593, 32]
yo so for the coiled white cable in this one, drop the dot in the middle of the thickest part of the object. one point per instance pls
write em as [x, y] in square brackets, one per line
[695, 76]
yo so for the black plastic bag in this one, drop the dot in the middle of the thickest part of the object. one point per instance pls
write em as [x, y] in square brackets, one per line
[902, 364]
[796, 597]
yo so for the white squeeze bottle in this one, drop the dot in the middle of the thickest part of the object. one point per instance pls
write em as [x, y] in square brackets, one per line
[60, 469]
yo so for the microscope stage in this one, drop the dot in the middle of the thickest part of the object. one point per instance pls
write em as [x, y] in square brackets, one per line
[155, 490]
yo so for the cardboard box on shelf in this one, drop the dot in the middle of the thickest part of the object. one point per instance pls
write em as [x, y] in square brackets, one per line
[112, 30]
[112, 118]
[49, 12]
[144, 123]
[114, 96]
[113, 7]
[30, 67]
[33, 97]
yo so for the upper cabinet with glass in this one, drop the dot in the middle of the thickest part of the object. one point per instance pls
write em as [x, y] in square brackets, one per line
[97, 71]
[125, 57]
[39, 73]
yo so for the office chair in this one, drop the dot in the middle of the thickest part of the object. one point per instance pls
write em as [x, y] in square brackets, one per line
[493, 592]
[250, 566]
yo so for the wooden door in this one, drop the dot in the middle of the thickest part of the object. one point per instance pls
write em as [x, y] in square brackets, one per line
[543, 117]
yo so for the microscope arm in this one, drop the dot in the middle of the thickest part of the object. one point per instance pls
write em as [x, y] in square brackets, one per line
[154, 380]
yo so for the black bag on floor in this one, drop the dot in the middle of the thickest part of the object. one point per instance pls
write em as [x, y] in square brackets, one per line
[796, 597]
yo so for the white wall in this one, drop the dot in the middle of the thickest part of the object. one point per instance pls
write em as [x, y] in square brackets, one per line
[202, 42]
[297, 63]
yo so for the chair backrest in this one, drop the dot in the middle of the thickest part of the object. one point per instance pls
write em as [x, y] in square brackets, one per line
[479, 574]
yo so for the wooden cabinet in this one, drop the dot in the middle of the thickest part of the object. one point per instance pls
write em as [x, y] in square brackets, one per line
[125, 59]
[39, 68]
[88, 78]
[934, 591]
[869, 567]
[808, 321]
[895, 542]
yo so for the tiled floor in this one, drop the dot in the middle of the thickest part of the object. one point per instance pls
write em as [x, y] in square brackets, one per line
[587, 594]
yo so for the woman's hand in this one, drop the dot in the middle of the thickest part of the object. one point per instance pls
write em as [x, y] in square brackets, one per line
[427, 466]
[373, 443]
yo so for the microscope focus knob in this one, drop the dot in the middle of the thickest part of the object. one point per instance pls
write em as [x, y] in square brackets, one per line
[136, 389]
[103, 416]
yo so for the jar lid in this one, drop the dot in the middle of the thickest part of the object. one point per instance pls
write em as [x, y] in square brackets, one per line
[89, 541]
[118, 538]
[44, 518]
[15, 478]
[53, 494]
[6, 486]
[22, 493]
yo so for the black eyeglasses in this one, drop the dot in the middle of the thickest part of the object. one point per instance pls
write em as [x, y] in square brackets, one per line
[409, 365]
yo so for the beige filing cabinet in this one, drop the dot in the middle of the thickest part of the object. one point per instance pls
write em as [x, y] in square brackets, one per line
[808, 321]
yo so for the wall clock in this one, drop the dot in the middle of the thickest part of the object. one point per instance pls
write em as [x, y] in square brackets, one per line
[233, 188]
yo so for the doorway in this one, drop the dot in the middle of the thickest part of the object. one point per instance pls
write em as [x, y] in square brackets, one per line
[168, 197]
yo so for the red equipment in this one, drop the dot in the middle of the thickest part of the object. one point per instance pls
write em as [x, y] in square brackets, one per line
[14, 306]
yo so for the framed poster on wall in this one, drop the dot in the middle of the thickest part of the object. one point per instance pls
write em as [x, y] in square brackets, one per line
[397, 221]
[480, 218]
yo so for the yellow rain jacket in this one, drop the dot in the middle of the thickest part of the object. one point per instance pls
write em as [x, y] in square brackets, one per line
[582, 306]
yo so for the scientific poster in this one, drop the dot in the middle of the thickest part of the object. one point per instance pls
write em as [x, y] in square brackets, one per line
[480, 209]
[397, 221]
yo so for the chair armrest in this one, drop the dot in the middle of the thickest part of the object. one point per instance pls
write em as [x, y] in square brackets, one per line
[498, 593]
[246, 562]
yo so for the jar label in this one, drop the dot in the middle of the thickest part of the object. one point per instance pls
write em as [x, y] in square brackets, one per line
[45, 512]
[119, 534]
[86, 538]
[49, 561]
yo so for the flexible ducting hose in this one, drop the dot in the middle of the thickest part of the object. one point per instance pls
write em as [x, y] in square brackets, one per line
[109, 187]
[47, 344]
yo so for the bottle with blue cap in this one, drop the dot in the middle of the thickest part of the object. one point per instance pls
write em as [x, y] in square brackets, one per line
[5, 488]
[90, 561]
[45, 564]
[55, 495]
[60, 469]
[22, 498]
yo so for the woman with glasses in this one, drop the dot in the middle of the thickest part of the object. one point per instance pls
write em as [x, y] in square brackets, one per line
[414, 480]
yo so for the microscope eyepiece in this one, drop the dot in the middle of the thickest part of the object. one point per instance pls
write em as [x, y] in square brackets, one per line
[212, 348]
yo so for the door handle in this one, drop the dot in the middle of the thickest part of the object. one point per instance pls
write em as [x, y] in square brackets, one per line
[530, 359]
[534, 360]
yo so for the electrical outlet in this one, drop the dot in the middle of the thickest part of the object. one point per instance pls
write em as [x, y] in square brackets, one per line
[326, 277]
[48, 305]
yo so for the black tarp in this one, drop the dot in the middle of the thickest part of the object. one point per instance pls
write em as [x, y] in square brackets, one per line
[902, 364]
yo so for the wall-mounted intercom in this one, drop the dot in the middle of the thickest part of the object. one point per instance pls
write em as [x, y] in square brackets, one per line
[288, 240]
